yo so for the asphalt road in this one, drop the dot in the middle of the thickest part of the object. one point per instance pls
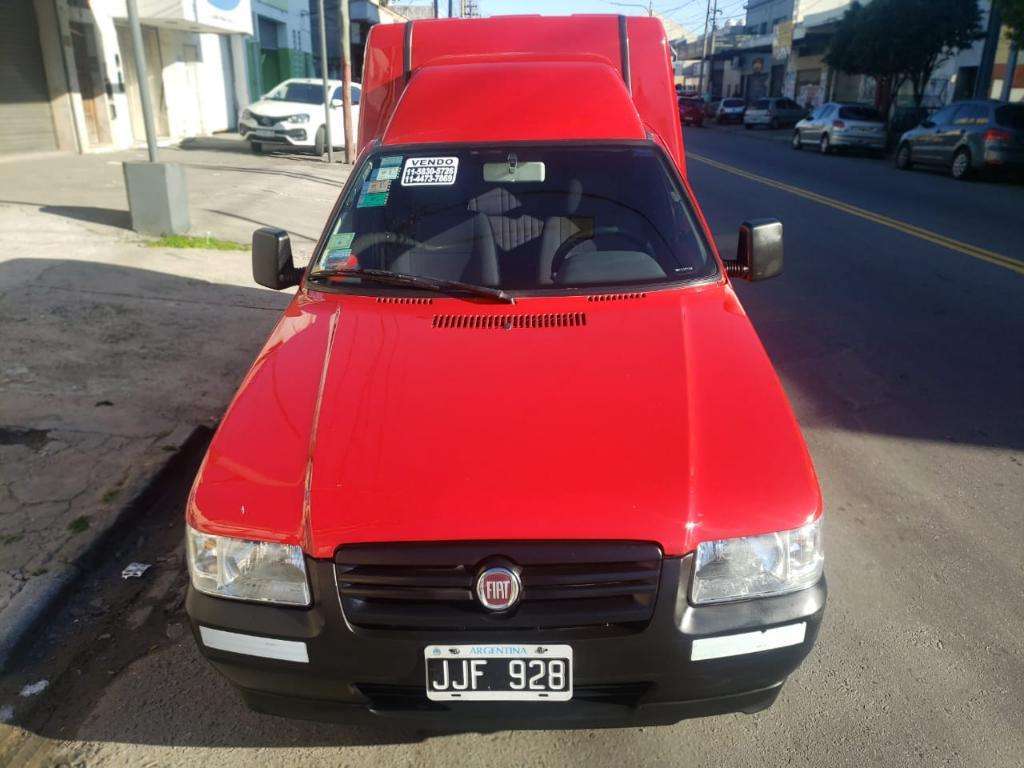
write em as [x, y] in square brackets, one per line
[903, 355]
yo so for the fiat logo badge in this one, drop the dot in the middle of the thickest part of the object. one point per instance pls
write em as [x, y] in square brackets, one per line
[498, 589]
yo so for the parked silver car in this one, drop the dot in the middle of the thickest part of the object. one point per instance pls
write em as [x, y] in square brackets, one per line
[774, 113]
[835, 125]
[966, 137]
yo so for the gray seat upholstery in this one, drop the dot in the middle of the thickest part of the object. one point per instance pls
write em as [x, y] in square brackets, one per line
[460, 249]
[558, 229]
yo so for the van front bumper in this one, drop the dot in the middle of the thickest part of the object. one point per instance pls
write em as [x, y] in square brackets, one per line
[312, 664]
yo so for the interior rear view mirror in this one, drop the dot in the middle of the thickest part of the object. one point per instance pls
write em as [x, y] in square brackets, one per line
[511, 172]
[272, 264]
[759, 253]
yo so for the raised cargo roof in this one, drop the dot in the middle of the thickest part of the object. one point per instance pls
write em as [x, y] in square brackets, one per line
[520, 78]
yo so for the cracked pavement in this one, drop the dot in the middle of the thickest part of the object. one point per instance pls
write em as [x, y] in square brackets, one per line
[111, 350]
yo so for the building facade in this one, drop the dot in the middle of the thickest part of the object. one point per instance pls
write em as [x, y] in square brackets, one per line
[281, 45]
[780, 51]
[68, 67]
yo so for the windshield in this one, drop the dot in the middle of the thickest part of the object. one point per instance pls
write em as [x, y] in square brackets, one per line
[760, 104]
[520, 218]
[733, 103]
[307, 93]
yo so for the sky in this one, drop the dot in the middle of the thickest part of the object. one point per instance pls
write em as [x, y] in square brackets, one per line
[689, 13]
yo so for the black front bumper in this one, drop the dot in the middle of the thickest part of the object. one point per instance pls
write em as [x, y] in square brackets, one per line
[622, 676]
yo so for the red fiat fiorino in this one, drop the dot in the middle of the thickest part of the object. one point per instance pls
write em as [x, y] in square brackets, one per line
[514, 455]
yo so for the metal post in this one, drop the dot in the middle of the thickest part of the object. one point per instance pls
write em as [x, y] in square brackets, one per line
[323, 79]
[450, 8]
[346, 81]
[437, 11]
[1011, 70]
[140, 69]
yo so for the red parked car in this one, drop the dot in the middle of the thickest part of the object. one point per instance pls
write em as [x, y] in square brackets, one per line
[691, 111]
[514, 454]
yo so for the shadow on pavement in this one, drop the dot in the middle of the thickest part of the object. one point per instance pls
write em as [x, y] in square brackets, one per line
[225, 143]
[111, 217]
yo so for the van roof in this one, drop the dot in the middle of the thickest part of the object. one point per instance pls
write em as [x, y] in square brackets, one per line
[520, 78]
[513, 102]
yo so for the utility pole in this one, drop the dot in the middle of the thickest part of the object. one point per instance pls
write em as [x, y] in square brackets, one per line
[346, 81]
[157, 195]
[141, 76]
[450, 14]
[704, 49]
[323, 80]
[437, 10]
[1011, 70]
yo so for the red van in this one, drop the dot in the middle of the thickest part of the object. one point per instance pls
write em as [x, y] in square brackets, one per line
[514, 455]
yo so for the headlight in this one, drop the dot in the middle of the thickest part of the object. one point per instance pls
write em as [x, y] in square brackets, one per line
[299, 119]
[246, 114]
[758, 566]
[247, 570]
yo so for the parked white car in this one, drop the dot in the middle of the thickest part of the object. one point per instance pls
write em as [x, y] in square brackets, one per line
[773, 113]
[292, 114]
[730, 111]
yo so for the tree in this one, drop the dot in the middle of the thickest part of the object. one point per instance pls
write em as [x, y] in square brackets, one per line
[1012, 12]
[927, 32]
[861, 45]
[896, 41]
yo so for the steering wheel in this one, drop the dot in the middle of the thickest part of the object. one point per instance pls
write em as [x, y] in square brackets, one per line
[583, 235]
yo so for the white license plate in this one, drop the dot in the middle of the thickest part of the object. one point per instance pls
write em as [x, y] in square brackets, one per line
[498, 672]
[264, 133]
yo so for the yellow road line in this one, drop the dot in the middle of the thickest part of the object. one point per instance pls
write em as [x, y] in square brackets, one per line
[924, 234]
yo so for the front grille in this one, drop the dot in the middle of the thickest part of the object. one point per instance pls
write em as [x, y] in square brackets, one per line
[397, 698]
[266, 121]
[565, 584]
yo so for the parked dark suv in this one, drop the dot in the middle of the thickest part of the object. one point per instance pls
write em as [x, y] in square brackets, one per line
[967, 137]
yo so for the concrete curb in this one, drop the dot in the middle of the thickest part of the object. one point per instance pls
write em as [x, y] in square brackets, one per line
[31, 605]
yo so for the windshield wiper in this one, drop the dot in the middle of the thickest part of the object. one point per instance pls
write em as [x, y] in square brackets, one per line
[415, 281]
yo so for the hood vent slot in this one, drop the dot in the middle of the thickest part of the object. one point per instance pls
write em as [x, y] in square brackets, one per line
[508, 322]
[616, 296]
[402, 300]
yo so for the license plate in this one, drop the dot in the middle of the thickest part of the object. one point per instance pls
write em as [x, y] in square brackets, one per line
[499, 672]
[263, 132]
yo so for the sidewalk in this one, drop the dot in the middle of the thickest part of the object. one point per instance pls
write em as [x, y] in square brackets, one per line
[111, 351]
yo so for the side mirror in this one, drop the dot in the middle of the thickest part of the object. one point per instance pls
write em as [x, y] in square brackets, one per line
[759, 253]
[927, 123]
[336, 103]
[272, 265]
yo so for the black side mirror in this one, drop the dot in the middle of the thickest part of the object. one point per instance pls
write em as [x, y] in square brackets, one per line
[759, 254]
[272, 264]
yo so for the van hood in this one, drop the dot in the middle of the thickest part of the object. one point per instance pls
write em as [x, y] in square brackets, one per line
[653, 417]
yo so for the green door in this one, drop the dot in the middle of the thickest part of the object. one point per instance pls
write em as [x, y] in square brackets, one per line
[270, 70]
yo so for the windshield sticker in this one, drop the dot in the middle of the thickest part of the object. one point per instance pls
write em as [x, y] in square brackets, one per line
[391, 161]
[390, 172]
[430, 171]
[381, 185]
[341, 258]
[371, 196]
[340, 240]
